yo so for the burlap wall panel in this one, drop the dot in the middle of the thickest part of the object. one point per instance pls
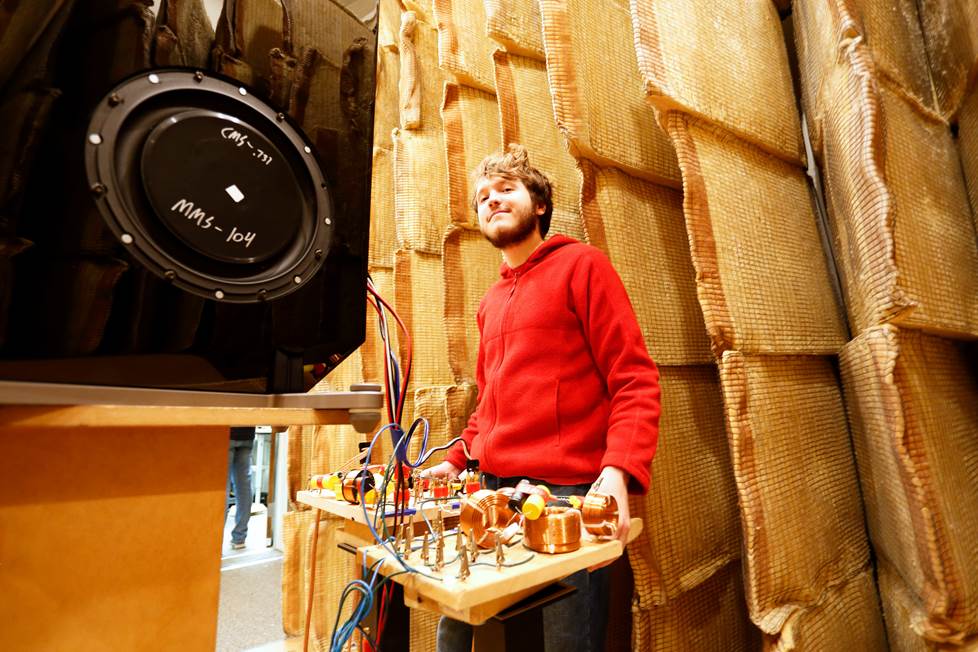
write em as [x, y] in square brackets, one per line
[709, 618]
[951, 37]
[891, 29]
[471, 265]
[727, 64]
[424, 628]
[903, 233]
[640, 227]
[424, 9]
[968, 147]
[847, 617]
[527, 117]
[597, 100]
[419, 298]
[901, 610]
[447, 409]
[471, 120]
[761, 274]
[420, 178]
[516, 25]
[692, 528]
[383, 229]
[463, 48]
[817, 37]
[184, 35]
[796, 479]
[914, 419]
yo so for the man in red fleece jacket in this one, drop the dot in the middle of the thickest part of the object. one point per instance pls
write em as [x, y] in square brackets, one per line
[567, 392]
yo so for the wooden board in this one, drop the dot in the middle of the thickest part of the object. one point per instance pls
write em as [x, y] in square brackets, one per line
[326, 501]
[489, 590]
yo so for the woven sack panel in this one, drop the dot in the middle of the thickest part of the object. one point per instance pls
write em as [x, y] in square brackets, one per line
[968, 144]
[471, 122]
[424, 630]
[761, 274]
[419, 298]
[420, 178]
[796, 479]
[527, 117]
[951, 37]
[184, 35]
[294, 526]
[692, 528]
[516, 25]
[847, 617]
[424, 9]
[463, 48]
[709, 618]
[891, 29]
[383, 229]
[727, 65]
[817, 38]
[9, 247]
[447, 409]
[471, 266]
[915, 419]
[901, 609]
[935, 248]
[596, 97]
[640, 227]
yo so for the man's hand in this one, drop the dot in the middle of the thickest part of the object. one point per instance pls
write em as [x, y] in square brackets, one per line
[614, 482]
[444, 470]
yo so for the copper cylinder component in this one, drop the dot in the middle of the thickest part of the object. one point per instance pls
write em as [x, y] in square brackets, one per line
[484, 513]
[351, 485]
[600, 515]
[557, 530]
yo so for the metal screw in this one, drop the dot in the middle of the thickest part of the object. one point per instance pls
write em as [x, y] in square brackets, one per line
[307, 150]
[318, 254]
[154, 78]
[280, 117]
[95, 139]
[169, 275]
[115, 99]
[99, 189]
[198, 76]
[219, 294]
[297, 279]
[327, 221]
[261, 294]
[126, 238]
[242, 90]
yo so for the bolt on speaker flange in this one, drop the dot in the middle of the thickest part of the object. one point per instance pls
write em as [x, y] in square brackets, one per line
[207, 186]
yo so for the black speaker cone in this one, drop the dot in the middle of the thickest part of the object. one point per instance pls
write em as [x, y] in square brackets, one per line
[208, 186]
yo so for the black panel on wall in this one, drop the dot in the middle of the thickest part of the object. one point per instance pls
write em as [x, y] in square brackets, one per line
[182, 209]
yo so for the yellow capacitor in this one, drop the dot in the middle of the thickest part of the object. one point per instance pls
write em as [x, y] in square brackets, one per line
[534, 506]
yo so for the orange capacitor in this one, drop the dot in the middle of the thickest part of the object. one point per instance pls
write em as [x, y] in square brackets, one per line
[328, 481]
[439, 488]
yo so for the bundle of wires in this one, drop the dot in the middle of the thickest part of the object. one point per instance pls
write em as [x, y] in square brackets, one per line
[397, 472]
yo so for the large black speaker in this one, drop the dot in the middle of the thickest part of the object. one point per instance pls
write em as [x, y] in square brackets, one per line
[183, 209]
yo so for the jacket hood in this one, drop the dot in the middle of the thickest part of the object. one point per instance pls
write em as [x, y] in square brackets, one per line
[549, 245]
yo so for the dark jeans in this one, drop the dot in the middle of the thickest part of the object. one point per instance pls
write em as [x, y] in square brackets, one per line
[576, 623]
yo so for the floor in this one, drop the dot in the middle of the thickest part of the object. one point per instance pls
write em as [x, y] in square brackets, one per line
[250, 613]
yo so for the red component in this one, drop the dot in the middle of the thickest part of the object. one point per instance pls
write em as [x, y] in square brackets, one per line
[440, 491]
[472, 487]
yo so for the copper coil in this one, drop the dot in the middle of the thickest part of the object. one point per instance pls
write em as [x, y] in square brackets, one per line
[557, 530]
[483, 514]
[351, 485]
[600, 513]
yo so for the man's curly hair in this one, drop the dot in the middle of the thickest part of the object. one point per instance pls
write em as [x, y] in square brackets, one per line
[514, 163]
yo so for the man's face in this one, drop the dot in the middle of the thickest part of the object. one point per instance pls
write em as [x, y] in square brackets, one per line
[506, 212]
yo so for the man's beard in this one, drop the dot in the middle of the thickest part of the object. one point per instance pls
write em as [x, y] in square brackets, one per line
[525, 225]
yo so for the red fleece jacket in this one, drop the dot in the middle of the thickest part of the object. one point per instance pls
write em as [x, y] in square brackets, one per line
[566, 386]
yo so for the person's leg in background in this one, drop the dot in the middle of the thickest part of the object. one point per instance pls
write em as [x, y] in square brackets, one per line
[239, 472]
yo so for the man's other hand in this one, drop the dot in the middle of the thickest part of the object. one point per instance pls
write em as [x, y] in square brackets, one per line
[443, 470]
[614, 482]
